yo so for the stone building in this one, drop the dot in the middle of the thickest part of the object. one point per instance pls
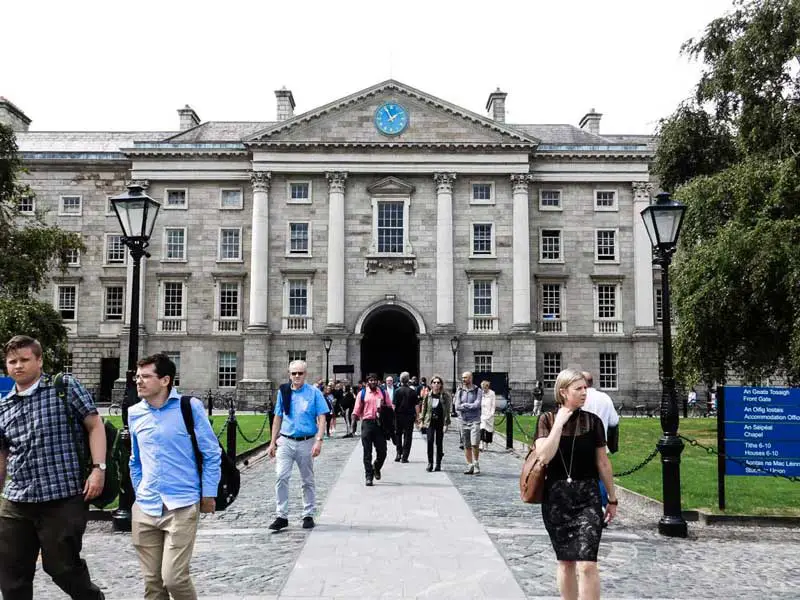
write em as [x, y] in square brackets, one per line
[388, 220]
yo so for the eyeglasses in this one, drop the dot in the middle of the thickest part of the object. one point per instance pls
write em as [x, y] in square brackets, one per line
[296, 373]
[436, 383]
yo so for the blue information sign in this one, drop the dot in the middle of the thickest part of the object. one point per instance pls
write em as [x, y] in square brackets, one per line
[762, 427]
[6, 385]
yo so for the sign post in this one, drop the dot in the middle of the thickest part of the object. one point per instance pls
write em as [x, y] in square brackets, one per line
[760, 428]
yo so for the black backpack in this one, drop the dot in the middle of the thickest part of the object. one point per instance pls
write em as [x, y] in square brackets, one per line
[230, 479]
[113, 458]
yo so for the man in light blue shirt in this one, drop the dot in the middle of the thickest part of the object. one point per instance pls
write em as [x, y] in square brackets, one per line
[165, 478]
[300, 411]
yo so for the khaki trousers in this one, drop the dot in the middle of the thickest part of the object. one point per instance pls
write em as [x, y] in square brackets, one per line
[164, 545]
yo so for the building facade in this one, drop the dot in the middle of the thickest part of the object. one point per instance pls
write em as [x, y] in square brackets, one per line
[390, 221]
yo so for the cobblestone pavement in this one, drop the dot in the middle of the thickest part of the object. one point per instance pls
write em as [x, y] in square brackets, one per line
[235, 554]
[635, 561]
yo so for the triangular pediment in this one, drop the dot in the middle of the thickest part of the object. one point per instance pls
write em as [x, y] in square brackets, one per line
[390, 186]
[432, 122]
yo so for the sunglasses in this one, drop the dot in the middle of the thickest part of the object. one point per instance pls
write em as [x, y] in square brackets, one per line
[436, 383]
[296, 373]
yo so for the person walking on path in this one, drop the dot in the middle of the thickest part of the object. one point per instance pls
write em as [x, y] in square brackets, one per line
[488, 407]
[602, 405]
[572, 443]
[368, 408]
[167, 481]
[300, 411]
[43, 506]
[405, 411]
[348, 404]
[436, 405]
[468, 407]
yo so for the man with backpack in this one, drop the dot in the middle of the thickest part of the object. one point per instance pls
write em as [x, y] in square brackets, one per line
[44, 504]
[297, 430]
[170, 490]
[372, 409]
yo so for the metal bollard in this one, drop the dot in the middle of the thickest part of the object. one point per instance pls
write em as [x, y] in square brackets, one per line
[509, 426]
[210, 398]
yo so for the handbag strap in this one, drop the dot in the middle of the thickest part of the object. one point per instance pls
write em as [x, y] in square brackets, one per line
[62, 392]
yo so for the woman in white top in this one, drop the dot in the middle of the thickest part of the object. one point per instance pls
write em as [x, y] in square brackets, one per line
[488, 405]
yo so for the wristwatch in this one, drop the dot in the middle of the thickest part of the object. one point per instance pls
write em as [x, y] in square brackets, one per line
[101, 466]
[614, 502]
[319, 439]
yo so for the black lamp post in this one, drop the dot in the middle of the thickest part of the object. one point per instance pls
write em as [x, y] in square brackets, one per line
[137, 214]
[454, 347]
[327, 342]
[663, 222]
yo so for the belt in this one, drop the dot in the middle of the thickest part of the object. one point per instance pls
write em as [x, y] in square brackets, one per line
[297, 438]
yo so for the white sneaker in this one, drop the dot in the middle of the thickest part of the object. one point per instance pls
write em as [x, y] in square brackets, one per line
[477, 468]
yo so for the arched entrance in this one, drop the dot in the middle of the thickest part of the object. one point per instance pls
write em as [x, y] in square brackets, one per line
[390, 342]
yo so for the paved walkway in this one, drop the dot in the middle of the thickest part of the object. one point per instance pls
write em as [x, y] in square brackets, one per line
[443, 535]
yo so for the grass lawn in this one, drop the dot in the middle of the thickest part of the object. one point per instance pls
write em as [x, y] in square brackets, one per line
[249, 424]
[743, 495]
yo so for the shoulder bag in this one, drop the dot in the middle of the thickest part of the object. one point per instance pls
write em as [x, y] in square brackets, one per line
[531, 480]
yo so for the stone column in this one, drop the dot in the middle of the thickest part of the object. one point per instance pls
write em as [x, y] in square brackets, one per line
[642, 259]
[336, 181]
[259, 252]
[444, 249]
[521, 266]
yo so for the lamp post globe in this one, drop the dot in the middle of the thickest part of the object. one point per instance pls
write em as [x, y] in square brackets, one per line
[663, 221]
[136, 213]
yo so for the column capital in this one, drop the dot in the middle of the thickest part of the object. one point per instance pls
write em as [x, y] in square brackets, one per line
[444, 182]
[520, 182]
[260, 180]
[144, 183]
[336, 181]
[642, 191]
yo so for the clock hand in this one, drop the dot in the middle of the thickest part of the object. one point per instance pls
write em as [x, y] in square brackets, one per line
[388, 114]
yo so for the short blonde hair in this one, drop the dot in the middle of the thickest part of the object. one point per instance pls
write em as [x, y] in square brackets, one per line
[565, 379]
[486, 381]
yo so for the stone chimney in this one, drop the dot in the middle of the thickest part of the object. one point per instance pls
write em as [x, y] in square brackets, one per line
[591, 122]
[496, 105]
[285, 104]
[189, 118]
[12, 116]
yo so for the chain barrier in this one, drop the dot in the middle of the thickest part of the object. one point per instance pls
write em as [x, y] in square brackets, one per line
[641, 465]
[713, 451]
[258, 436]
[526, 437]
[221, 431]
[500, 422]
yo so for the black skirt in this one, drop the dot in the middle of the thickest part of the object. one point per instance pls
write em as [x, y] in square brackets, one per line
[573, 517]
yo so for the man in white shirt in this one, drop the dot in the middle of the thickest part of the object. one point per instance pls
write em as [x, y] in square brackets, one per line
[600, 403]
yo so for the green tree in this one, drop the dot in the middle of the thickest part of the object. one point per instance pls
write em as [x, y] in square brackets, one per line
[732, 154]
[30, 251]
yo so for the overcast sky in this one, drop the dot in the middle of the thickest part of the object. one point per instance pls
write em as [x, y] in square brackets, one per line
[109, 65]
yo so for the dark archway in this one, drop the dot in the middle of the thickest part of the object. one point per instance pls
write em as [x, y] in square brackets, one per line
[390, 343]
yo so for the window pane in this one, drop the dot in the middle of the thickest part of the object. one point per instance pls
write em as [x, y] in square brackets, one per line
[605, 199]
[71, 205]
[229, 246]
[298, 298]
[26, 205]
[608, 370]
[229, 300]
[390, 227]
[67, 295]
[298, 241]
[72, 257]
[173, 299]
[551, 198]
[176, 358]
[551, 244]
[606, 244]
[231, 198]
[115, 250]
[294, 355]
[551, 367]
[176, 244]
[482, 298]
[483, 362]
[176, 197]
[482, 191]
[299, 191]
[551, 301]
[607, 301]
[226, 369]
[115, 301]
[482, 238]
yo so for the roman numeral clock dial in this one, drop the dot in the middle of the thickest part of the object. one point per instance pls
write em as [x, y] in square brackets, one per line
[391, 118]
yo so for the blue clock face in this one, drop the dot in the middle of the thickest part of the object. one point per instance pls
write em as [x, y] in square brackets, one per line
[391, 118]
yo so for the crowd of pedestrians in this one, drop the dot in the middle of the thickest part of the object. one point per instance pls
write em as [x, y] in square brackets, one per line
[175, 467]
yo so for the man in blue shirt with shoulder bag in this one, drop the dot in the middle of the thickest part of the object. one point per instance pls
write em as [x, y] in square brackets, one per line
[164, 474]
[300, 411]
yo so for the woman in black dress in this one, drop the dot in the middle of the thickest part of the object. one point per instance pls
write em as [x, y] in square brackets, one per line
[572, 444]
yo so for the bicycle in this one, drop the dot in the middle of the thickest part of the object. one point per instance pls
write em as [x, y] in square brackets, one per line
[115, 409]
